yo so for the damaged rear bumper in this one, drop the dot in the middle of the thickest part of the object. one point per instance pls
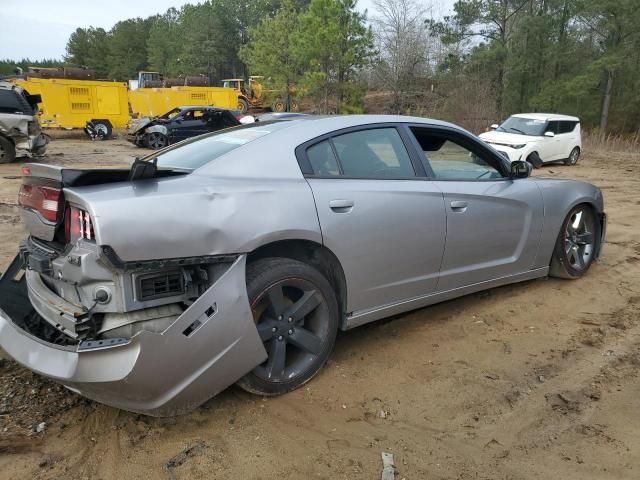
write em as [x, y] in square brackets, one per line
[209, 347]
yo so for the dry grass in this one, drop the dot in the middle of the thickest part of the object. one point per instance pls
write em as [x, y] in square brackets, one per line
[595, 140]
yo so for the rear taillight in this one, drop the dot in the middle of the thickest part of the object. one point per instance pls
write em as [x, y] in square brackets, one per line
[77, 225]
[47, 201]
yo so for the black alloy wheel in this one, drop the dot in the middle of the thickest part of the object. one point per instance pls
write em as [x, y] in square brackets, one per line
[577, 243]
[156, 140]
[296, 315]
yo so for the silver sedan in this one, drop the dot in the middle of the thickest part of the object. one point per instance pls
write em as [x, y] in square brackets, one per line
[235, 257]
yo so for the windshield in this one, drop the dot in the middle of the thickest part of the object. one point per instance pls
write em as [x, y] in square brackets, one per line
[197, 151]
[523, 126]
[172, 114]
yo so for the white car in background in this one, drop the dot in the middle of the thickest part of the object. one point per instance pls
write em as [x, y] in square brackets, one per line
[537, 138]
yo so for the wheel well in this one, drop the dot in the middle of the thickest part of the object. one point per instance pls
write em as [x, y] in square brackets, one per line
[311, 253]
[103, 120]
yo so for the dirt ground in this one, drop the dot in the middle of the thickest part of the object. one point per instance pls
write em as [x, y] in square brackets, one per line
[534, 380]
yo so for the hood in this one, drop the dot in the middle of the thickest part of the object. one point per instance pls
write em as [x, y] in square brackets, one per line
[506, 138]
[145, 122]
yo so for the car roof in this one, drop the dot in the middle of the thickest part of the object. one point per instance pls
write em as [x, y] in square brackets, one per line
[546, 116]
[199, 107]
[276, 149]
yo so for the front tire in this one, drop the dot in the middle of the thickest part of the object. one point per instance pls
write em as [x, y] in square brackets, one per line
[243, 106]
[297, 315]
[156, 140]
[573, 157]
[534, 159]
[577, 243]
[7, 150]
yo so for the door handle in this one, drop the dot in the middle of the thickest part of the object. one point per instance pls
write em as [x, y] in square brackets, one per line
[341, 206]
[458, 205]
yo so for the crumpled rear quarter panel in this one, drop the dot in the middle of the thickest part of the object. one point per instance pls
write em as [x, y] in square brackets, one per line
[158, 374]
[196, 215]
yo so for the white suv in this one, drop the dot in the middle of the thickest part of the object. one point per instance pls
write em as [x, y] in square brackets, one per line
[537, 138]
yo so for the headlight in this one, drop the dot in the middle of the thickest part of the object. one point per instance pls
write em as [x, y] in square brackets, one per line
[519, 146]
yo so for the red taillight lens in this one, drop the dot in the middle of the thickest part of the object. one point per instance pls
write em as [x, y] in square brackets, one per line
[45, 200]
[77, 224]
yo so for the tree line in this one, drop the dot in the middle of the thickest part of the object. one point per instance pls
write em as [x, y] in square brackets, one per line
[484, 61]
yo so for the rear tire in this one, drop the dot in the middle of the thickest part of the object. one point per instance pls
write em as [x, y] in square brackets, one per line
[534, 159]
[297, 316]
[573, 157]
[577, 243]
[103, 129]
[7, 150]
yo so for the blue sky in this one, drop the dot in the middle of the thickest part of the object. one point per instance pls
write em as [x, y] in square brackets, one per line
[39, 29]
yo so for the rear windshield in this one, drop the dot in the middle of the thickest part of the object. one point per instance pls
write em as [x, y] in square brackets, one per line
[13, 101]
[198, 151]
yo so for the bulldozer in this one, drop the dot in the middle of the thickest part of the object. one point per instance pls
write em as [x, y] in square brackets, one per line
[255, 95]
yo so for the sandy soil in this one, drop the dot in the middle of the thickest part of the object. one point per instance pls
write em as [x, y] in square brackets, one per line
[535, 380]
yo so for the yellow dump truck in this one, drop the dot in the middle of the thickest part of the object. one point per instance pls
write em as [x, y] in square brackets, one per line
[69, 103]
[152, 102]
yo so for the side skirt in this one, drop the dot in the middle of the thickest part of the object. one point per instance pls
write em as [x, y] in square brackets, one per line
[361, 317]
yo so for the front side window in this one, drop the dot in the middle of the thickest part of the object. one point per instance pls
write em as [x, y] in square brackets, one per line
[553, 127]
[376, 153]
[193, 115]
[451, 161]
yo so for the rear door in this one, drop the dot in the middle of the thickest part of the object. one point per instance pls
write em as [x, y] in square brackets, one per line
[493, 223]
[383, 221]
[568, 136]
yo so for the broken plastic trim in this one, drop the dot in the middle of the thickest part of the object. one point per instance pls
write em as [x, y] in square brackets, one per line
[100, 344]
[114, 261]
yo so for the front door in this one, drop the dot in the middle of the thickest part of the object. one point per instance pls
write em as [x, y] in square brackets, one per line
[551, 147]
[493, 222]
[385, 224]
[189, 124]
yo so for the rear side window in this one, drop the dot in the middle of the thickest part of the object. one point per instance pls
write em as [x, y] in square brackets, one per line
[376, 153]
[567, 126]
[322, 160]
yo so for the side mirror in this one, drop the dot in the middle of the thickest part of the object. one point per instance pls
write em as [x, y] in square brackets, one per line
[549, 134]
[520, 169]
[494, 126]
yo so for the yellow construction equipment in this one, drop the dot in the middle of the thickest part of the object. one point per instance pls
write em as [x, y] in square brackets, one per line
[151, 94]
[256, 96]
[151, 102]
[71, 98]
[69, 103]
